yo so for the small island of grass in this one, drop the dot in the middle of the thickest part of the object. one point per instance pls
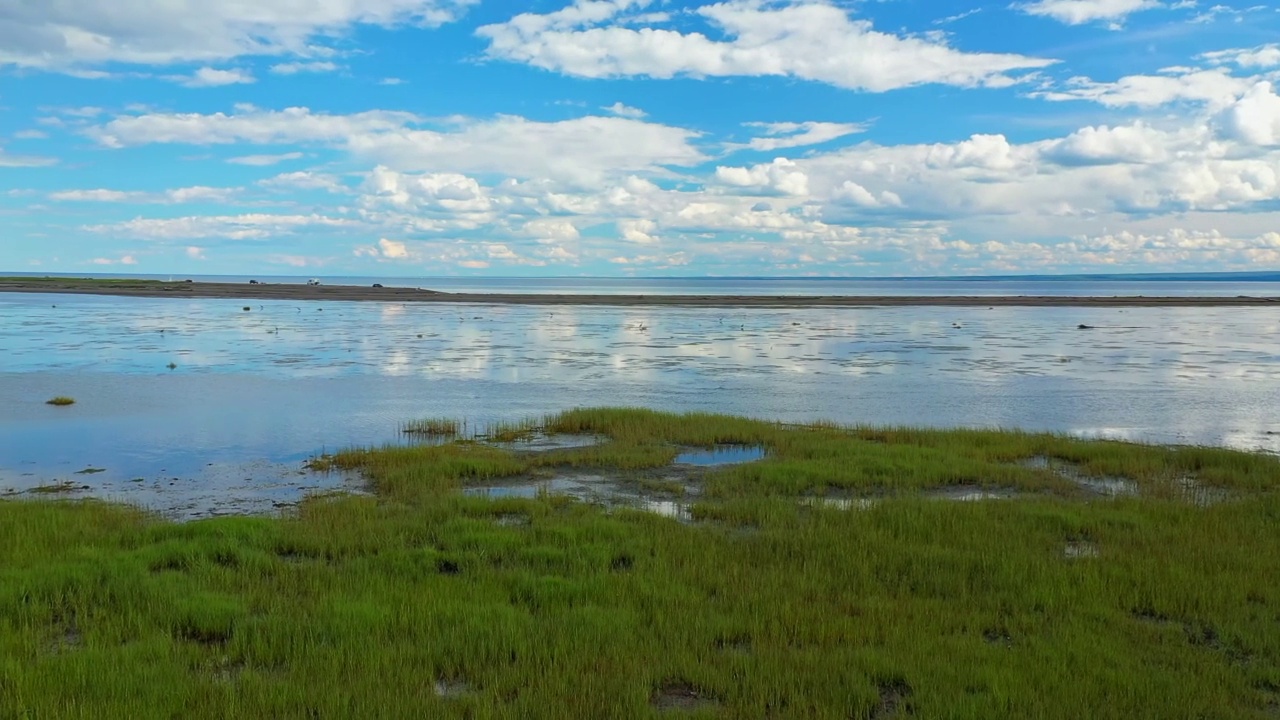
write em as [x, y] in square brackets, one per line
[848, 573]
[61, 401]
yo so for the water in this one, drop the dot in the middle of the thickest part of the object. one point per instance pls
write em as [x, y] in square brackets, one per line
[724, 455]
[255, 394]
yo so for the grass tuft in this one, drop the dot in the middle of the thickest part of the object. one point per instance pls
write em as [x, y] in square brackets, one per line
[61, 401]
[433, 427]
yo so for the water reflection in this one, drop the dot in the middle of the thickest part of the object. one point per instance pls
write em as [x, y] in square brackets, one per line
[721, 455]
[285, 381]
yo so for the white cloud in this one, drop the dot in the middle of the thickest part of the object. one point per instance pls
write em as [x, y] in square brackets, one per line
[122, 260]
[1254, 118]
[253, 226]
[291, 125]
[791, 134]
[264, 160]
[30, 135]
[810, 40]
[194, 194]
[1215, 87]
[304, 180]
[68, 33]
[25, 161]
[393, 250]
[779, 176]
[638, 231]
[1136, 143]
[195, 253]
[293, 68]
[1265, 56]
[625, 111]
[579, 150]
[213, 77]
[551, 230]
[98, 195]
[1078, 12]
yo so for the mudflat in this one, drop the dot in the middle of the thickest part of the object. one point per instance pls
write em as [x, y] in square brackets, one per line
[266, 291]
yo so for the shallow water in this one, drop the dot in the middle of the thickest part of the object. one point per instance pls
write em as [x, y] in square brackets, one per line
[256, 393]
[722, 455]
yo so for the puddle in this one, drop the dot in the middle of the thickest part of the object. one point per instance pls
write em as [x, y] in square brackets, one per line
[721, 455]
[667, 508]
[555, 486]
[611, 492]
[1105, 486]
[1201, 495]
[540, 442]
[451, 689]
[971, 493]
[679, 696]
[1080, 549]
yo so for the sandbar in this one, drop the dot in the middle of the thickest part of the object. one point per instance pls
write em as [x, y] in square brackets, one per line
[346, 293]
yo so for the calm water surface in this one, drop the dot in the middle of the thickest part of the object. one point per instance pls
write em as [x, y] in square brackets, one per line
[255, 393]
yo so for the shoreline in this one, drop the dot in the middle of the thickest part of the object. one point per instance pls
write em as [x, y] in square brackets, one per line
[350, 293]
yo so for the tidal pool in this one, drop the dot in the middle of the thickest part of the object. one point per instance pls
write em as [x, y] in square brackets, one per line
[253, 395]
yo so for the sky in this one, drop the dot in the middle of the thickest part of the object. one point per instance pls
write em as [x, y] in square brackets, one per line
[634, 137]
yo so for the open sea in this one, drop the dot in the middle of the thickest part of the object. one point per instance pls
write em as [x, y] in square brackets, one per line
[254, 394]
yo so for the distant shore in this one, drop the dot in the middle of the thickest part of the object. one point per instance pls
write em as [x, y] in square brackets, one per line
[348, 293]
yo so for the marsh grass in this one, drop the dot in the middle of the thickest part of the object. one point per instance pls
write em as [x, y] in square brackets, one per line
[419, 601]
[61, 401]
[434, 427]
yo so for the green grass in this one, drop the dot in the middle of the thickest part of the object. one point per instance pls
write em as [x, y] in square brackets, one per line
[766, 606]
[61, 401]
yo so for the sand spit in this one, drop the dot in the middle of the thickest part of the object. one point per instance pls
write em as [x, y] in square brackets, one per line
[298, 292]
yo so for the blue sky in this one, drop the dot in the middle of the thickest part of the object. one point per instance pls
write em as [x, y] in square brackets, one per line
[624, 137]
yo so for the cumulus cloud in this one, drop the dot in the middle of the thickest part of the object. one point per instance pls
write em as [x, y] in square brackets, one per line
[778, 176]
[638, 231]
[1255, 117]
[1136, 143]
[68, 33]
[814, 41]
[625, 111]
[393, 250]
